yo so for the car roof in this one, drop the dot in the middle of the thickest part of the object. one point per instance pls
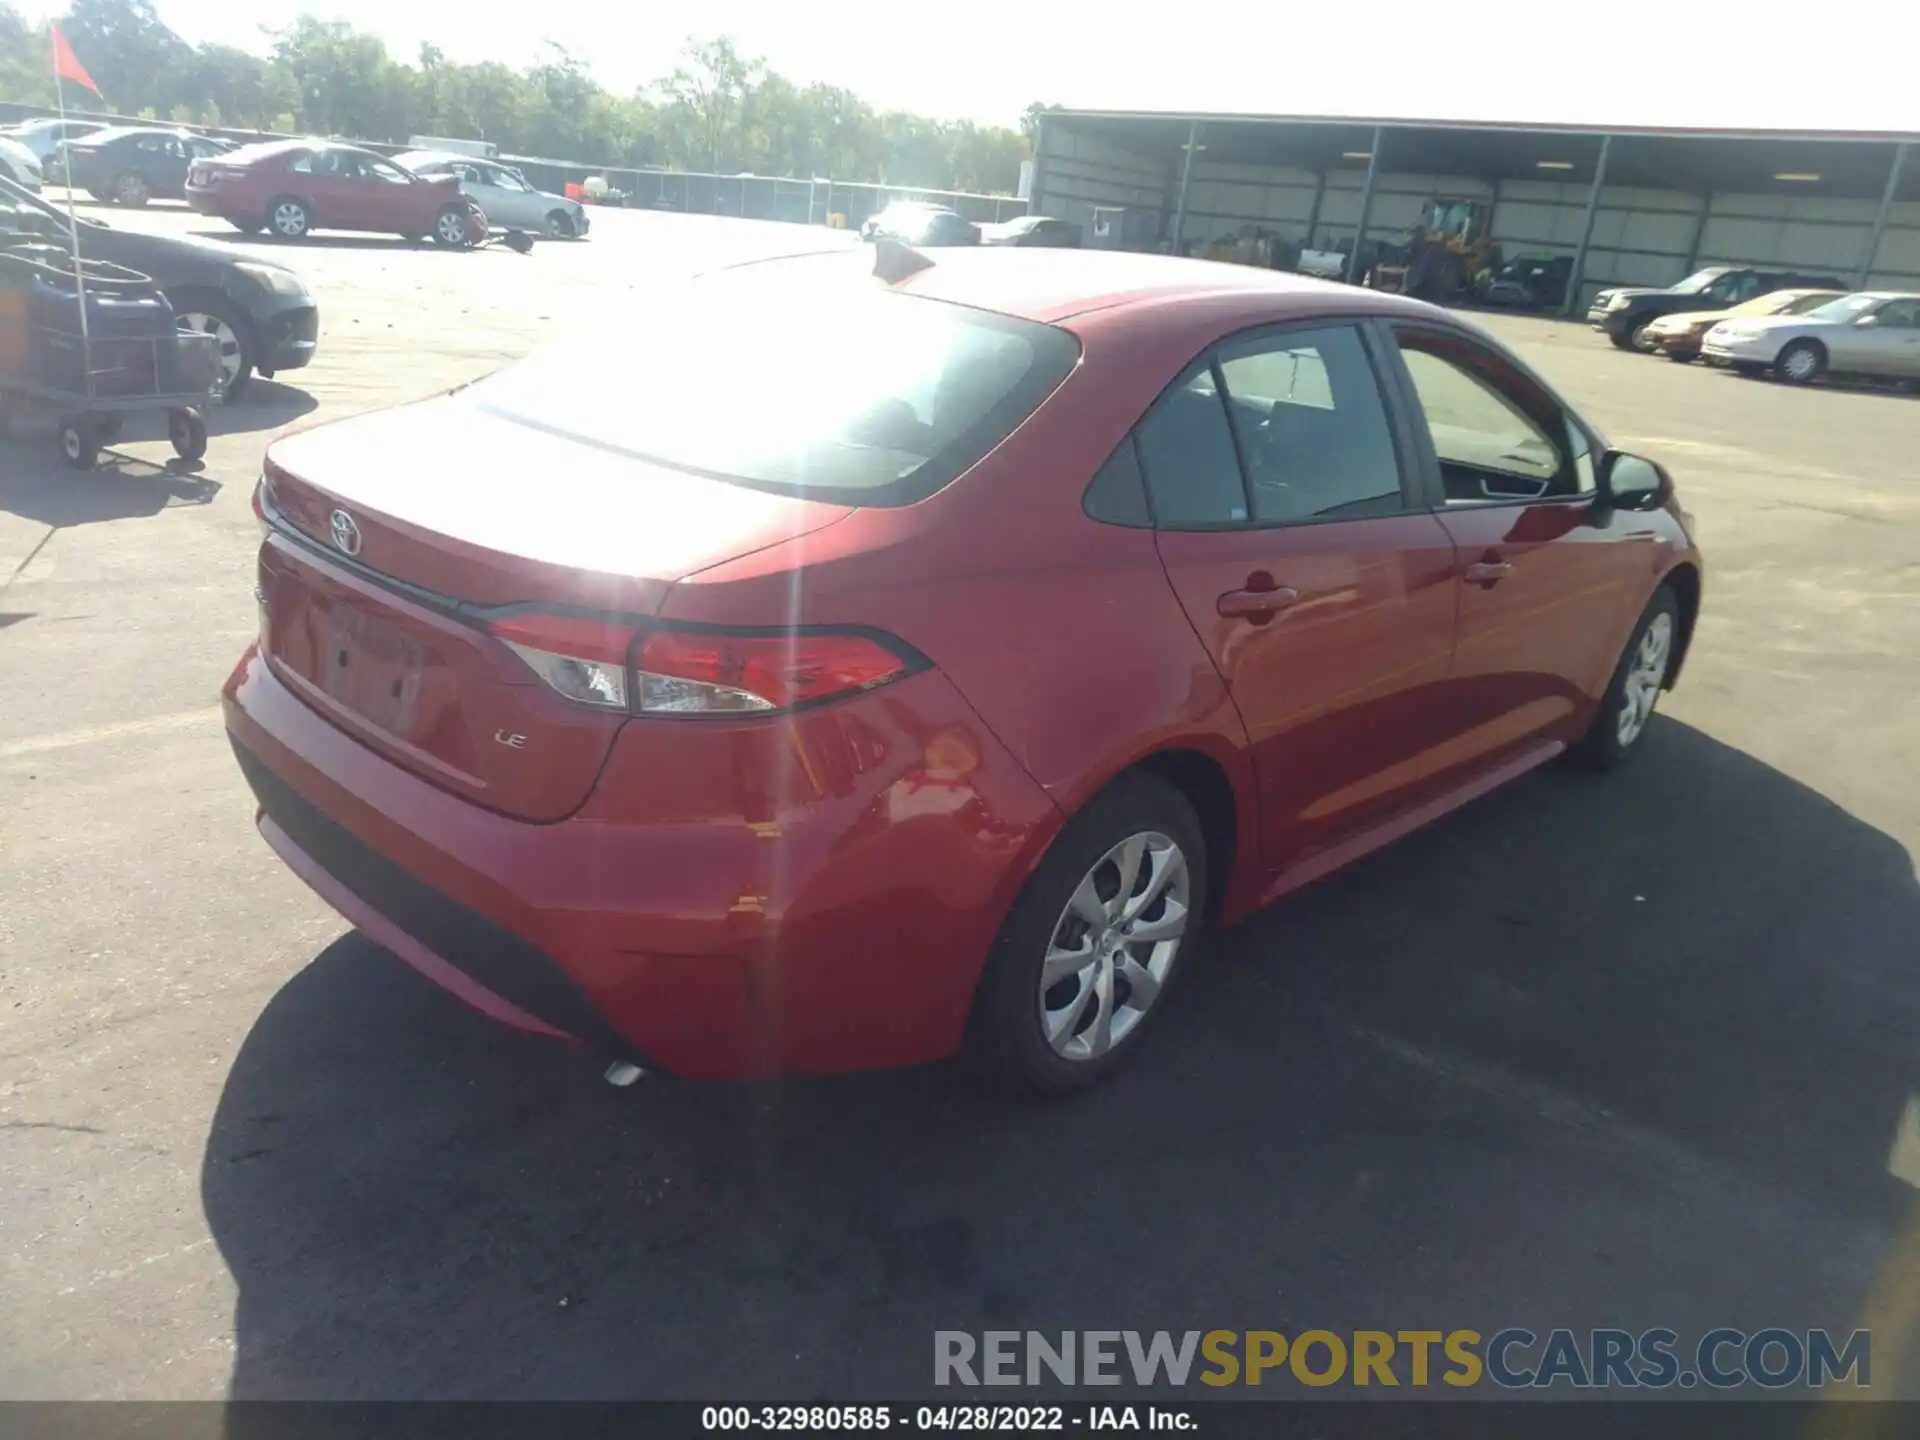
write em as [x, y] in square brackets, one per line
[422, 157]
[121, 132]
[1049, 285]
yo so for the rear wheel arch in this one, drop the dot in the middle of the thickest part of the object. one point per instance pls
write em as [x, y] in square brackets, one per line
[1204, 783]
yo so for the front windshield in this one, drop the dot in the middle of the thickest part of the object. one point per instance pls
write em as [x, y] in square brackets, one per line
[1847, 307]
[1700, 280]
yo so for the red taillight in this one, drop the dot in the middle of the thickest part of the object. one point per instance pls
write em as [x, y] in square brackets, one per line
[689, 672]
[700, 672]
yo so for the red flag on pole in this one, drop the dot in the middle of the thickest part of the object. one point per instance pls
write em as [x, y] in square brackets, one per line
[67, 65]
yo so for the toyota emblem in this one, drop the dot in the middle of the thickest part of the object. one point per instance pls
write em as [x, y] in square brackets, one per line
[346, 534]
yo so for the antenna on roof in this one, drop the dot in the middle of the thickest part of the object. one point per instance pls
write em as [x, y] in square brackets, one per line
[894, 262]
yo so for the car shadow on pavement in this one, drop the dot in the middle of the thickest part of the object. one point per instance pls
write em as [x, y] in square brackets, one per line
[328, 242]
[39, 486]
[1593, 1051]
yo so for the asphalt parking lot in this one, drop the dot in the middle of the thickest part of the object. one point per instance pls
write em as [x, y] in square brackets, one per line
[1629, 1051]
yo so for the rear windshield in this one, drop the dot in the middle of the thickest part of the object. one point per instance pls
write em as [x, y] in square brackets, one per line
[846, 393]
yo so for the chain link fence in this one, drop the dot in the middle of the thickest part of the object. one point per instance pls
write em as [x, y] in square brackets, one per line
[752, 197]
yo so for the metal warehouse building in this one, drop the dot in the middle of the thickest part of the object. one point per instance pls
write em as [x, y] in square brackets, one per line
[1631, 206]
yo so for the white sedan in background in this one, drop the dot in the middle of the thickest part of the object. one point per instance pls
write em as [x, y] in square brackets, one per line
[503, 192]
[19, 164]
[1875, 332]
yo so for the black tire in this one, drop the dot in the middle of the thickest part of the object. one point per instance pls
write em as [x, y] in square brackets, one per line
[1622, 339]
[1634, 332]
[559, 225]
[187, 431]
[1801, 362]
[132, 189]
[80, 441]
[1603, 746]
[289, 218]
[1005, 1043]
[219, 310]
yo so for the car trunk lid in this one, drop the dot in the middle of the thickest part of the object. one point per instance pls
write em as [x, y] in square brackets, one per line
[397, 538]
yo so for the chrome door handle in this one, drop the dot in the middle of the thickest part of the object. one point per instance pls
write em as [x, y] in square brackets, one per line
[1258, 606]
[1487, 572]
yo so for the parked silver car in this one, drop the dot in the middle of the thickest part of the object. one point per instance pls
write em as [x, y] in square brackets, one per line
[1875, 332]
[504, 194]
[19, 164]
[45, 136]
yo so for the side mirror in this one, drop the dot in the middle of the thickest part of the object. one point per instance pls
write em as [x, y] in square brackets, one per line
[1628, 482]
[1866, 322]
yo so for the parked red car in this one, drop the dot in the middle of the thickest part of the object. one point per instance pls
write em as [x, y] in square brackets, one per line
[293, 187]
[877, 664]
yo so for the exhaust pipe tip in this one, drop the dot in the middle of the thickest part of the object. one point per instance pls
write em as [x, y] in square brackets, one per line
[622, 1073]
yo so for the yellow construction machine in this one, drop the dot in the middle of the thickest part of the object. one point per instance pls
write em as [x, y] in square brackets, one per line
[1443, 256]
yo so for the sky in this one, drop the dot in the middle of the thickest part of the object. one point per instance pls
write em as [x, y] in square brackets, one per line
[1649, 62]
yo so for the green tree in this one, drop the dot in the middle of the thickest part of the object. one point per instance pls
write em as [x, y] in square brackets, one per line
[26, 59]
[128, 51]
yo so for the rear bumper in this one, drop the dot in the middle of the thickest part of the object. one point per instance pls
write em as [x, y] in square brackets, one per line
[842, 934]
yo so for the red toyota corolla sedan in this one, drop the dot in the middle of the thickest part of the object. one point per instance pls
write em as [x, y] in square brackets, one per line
[291, 188]
[896, 655]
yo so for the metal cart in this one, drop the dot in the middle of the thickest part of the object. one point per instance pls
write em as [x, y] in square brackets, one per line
[91, 381]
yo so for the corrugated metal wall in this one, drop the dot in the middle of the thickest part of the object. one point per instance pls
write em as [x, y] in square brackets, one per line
[1640, 236]
[1075, 172]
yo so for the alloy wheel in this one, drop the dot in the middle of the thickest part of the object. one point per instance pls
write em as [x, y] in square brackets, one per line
[200, 323]
[1643, 682]
[289, 220]
[1114, 945]
[452, 227]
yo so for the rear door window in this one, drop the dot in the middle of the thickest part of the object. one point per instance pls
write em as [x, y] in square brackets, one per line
[832, 391]
[1312, 427]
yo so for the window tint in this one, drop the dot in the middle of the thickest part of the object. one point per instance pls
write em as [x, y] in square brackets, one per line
[301, 164]
[1905, 314]
[1187, 451]
[1312, 426]
[1118, 494]
[834, 392]
[1496, 435]
[390, 174]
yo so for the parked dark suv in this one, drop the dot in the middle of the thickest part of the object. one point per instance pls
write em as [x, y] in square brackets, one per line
[1624, 313]
[134, 164]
